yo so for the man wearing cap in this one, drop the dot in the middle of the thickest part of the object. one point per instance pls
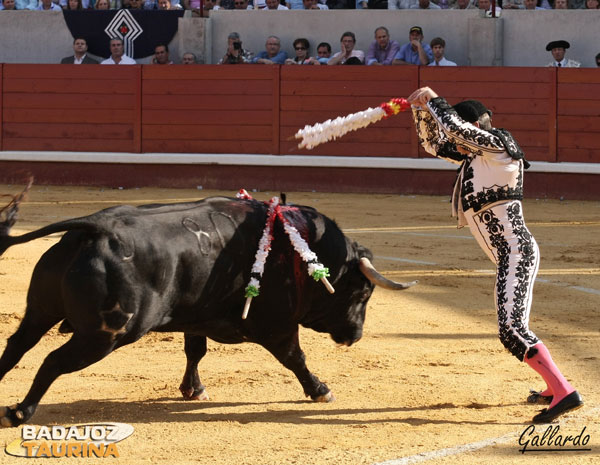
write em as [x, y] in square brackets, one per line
[414, 52]
[558, 49]
[487, 198]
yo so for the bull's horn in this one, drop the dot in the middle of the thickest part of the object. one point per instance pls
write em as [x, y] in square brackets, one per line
[376, 278]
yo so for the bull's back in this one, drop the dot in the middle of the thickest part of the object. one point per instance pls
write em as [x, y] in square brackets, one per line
[186, 263]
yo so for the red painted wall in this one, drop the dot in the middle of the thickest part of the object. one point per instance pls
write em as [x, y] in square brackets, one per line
[578, 115]
[554, 113]
[71, 108]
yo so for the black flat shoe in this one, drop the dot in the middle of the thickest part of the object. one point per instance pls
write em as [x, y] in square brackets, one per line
[536, 397]
[571, 402]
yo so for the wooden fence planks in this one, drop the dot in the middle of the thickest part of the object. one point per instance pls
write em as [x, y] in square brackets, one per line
[578, 115]
[553, 113]
[520, 99]
[71, 108]
[190, 117]
[315, 94]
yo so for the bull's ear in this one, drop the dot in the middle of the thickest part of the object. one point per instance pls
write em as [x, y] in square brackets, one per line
[282, 197]
[362, 251]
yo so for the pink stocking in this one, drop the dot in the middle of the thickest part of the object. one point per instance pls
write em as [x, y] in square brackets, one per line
[543, 364]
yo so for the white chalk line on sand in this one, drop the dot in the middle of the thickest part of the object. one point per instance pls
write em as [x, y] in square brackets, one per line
[587, 290]
[449, 451]
[471, 447]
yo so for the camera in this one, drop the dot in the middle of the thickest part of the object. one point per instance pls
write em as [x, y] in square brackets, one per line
[237, 45]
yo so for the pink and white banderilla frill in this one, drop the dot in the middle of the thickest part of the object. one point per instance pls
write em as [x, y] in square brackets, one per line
[315, 268]
[334, 129]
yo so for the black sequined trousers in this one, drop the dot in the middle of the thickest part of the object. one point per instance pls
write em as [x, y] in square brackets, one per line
[501, 232]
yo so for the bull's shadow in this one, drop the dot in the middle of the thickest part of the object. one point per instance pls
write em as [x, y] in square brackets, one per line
[301, 412]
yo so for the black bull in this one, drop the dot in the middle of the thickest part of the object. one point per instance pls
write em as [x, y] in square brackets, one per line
[119, 273]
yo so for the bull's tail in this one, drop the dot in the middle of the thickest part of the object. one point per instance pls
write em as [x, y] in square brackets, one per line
[8, 218]
[8, 215]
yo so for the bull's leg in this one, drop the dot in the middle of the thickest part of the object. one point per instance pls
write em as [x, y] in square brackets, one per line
[30, 331]
[78, 353]
[291, 356]
[191, 387]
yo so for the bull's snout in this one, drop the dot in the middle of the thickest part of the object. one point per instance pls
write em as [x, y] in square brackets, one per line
[348, 339]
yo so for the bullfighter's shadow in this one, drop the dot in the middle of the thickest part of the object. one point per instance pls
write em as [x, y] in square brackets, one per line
[167, 409]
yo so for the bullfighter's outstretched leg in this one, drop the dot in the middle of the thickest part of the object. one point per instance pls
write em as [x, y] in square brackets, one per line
[291, 356]
[191, 387]
[79, 352]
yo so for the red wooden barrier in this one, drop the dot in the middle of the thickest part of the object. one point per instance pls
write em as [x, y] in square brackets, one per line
[71, 108]
[209, 109]
[315, 94]
[520, 99]
[255, 109]
[578, 115]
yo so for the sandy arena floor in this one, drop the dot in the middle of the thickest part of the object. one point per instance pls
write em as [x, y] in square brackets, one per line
[428, 383]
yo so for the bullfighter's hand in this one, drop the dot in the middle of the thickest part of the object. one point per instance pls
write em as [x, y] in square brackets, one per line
[421, 96]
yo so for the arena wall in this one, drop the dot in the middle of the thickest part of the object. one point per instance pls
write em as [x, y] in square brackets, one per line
[209, 127]
[84, 125]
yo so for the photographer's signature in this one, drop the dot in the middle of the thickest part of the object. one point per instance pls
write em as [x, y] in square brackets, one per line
[552, 440]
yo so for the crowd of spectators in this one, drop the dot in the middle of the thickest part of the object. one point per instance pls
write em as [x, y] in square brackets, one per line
[203, 7]
[382, 51]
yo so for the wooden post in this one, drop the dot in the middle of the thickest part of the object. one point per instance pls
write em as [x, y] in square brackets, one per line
[276, 86]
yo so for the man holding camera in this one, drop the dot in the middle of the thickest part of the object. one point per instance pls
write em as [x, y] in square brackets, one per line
[235, 53]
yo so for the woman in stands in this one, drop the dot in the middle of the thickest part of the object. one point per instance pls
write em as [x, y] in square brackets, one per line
[302, 46]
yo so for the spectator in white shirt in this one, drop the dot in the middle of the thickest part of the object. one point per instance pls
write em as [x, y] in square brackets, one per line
[117, 54]
[347, 42]
[437, 47]
[275, 5]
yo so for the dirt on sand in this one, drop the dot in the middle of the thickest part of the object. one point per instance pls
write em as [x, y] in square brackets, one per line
[428, 383]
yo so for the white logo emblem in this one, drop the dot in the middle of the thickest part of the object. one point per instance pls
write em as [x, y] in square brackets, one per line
[124, 26]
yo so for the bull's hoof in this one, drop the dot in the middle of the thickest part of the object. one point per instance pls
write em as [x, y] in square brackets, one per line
[11, 416]
[194, 394]
[327, 397]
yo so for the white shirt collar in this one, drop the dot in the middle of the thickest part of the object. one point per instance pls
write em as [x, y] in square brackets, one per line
[78, 61]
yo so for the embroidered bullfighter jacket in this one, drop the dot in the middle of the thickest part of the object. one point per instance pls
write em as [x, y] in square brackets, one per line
[492, 172]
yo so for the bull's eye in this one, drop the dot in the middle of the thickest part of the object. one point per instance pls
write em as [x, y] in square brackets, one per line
[364, 295]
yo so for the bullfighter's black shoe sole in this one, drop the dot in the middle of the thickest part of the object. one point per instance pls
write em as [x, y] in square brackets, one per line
[571, 402]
